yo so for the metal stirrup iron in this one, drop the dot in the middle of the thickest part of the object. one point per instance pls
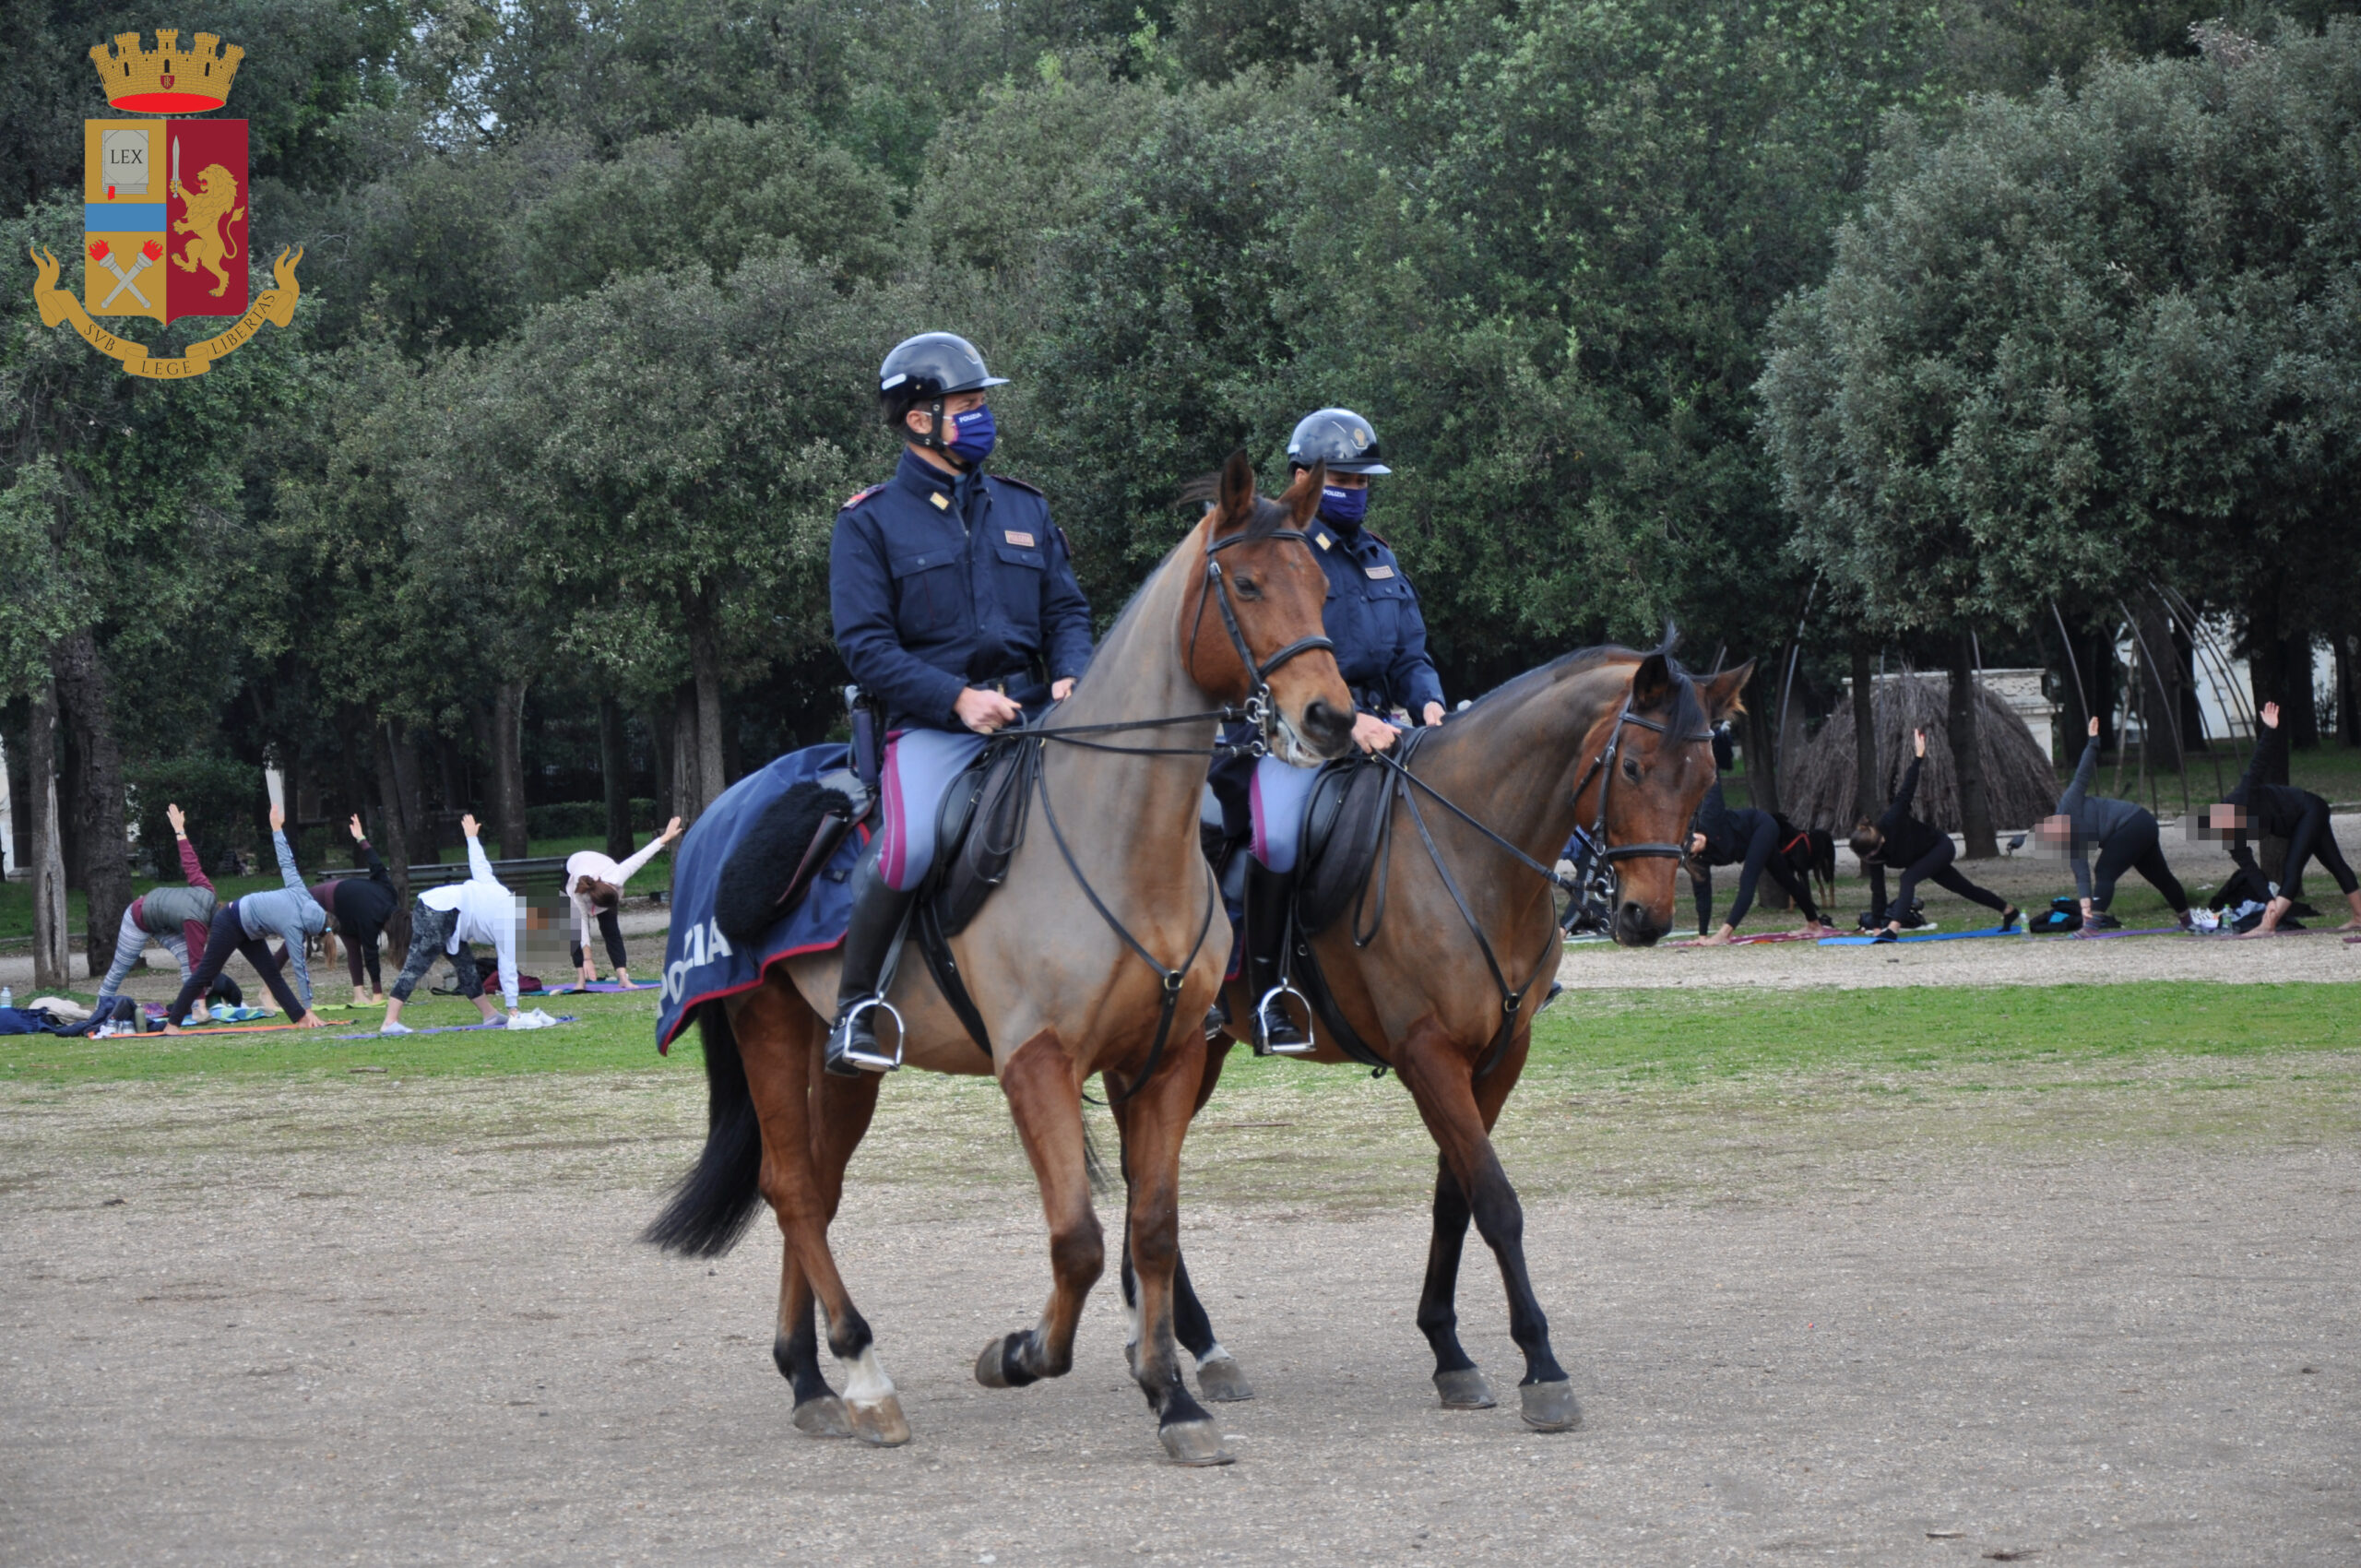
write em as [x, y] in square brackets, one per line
[869, 1061]
[1263, 1046]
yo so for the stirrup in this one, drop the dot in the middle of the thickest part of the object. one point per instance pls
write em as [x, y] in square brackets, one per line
[1263, 1046]
[841, 1048]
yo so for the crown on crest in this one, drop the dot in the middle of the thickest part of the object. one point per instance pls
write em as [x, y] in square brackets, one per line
[167, 79]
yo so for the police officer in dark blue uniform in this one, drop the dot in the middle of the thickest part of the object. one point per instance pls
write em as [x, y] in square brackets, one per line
[1373, 617]
[957, 609]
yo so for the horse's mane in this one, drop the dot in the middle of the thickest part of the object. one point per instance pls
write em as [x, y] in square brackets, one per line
[1269, 517]
[1689, 710]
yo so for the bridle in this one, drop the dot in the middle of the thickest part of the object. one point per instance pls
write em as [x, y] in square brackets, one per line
[1258, 708]
[1602, 883]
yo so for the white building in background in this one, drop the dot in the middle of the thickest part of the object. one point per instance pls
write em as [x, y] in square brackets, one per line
[2225, 712]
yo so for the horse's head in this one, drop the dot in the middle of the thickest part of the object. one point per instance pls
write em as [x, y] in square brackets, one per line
[1262, 589]
[1663, 763]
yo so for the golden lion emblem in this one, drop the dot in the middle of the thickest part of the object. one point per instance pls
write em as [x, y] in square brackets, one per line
[211, 209]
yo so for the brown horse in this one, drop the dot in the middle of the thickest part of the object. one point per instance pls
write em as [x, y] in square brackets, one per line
[1465, 952]
[1100, 953]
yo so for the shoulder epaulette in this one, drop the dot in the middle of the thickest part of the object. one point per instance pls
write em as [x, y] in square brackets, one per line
[858, 497]
[1376, 536]
[1022, 485]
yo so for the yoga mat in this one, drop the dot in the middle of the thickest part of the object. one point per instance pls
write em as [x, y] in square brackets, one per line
[1750, 941]
[1922, 936]
[602, 986]
[500, 1024]
[222, 1029]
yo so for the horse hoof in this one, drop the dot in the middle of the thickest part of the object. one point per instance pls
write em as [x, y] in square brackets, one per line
[1465, 1390]
[823, 1416]
[1223, 1381]
[988, 1363]
[1193, 1442]
[1550, 1406]
[881, 1424]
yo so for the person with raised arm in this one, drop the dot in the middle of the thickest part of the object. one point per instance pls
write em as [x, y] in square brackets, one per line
[1897, 839]
[2125, 835]
[447, 922]
[243, 926]
[176, 919]
[594, 881]
[359, 909]
[2260, 810]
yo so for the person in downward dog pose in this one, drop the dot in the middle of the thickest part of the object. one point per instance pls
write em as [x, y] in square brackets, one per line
[1381, 645]
[956, 607]
[358, 907]
[2125, 835]
[2260, 810]
[242, 925]
[448, 921]
[176, 919]
[1745, 838]
[1897, 839]
[594, 881]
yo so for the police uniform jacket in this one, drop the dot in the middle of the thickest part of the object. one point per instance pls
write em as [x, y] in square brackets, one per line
[1373, 617]
[937, 583]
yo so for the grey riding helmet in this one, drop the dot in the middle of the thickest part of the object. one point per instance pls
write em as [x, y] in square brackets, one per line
[1340, 437]
[934, 364]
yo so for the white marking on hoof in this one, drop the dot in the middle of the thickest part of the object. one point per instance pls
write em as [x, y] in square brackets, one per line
[1216, 1354]
[869, 1400]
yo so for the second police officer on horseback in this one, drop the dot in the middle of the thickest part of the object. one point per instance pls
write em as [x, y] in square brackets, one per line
[957, 609]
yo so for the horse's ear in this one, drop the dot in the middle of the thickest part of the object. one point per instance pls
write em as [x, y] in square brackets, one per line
[1720, 692]
[1302, 498]
[1652, 683]
[1236, 495]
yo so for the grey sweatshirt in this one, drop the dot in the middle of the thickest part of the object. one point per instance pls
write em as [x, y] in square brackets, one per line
[2096, 818]
[288, 913]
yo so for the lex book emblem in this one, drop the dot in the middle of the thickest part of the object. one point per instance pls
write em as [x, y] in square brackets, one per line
[164, 209]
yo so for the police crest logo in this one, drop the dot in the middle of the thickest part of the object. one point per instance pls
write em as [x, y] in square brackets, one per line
[164, 209]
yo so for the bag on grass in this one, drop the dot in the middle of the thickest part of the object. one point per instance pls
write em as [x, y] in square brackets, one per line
[2063, 914]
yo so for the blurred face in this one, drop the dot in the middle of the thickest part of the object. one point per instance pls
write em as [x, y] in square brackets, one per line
[2055, 832]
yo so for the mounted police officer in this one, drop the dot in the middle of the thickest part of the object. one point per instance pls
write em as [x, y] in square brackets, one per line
[1373, 617]
[957, 609]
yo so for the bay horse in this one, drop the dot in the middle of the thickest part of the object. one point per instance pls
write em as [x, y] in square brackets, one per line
[1614, 740]
[1100, 952]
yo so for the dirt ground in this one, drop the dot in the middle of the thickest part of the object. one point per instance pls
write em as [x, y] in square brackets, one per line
[2061, 1318]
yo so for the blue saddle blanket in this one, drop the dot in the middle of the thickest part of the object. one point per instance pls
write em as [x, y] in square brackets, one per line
[700, 964]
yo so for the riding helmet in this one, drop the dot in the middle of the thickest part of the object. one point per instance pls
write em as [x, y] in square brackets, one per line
[1341, 437]
[935, 365]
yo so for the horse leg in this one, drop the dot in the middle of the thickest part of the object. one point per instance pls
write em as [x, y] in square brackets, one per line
[778, 1038]
[846, 1107]
[1045, 1101]
[1457, 1379]
[1441, 1080]
[1157, 1120]
[1219, 1377]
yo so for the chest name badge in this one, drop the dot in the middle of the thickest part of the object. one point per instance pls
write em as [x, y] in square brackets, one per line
[1379, 571]
[941, 501]
[1022, 541]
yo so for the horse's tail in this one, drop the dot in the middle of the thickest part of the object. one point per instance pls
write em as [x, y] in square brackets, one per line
[713, 1204]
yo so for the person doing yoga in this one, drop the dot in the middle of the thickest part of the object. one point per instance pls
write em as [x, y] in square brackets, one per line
[449, 920]
[359, 909]
[2125, 835]
[1897, 839]
[595, 882]
[2258, 810]
[176, 919]
[1750, 839]
[288, 912]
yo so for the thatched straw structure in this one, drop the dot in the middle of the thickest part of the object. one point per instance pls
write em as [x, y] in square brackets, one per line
[1817, 788]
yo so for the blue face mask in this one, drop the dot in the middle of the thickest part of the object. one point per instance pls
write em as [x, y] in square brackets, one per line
[1343, 508]
[972, 436]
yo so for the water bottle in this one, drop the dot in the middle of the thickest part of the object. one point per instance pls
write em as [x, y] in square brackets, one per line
[7, 996]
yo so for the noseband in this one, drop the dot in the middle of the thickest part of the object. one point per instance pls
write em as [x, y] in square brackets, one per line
[1603, 768]
[1258, 708]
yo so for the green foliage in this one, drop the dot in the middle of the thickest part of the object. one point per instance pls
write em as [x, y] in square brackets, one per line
[221, 797]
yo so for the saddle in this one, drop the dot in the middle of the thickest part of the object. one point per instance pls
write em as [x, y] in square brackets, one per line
[977, 831]
[1346, 825]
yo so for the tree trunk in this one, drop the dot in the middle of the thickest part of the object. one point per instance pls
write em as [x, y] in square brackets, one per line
[508, 768]
[1967, 755]
[2348, 692]
[705, 658]
[396, 850]
[1869, 796]
[614, 775]
[1762, 755]
[660, 730]
[106, 871]
[416, 830]
[2303, 712]
[2160, 683]
[52, 955]
[688, 777]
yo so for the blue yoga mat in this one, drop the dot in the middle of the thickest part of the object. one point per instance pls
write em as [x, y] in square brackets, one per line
[1922, 936]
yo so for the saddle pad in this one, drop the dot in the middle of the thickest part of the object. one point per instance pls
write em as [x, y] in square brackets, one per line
[1923, 936]
[1342, 823]
[700, 963]
[981, 825]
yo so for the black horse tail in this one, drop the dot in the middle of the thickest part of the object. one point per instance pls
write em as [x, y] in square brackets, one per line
[713, 1204]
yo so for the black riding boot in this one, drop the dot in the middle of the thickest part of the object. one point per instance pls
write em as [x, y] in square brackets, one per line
[877, 911]
[1268, 895]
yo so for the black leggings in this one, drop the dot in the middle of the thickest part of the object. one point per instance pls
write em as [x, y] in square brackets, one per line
[2134, 847]
[1762, 854]
[1934, 866]
[226, 937]
[355, 902]
[610, 927]
[2314, 840]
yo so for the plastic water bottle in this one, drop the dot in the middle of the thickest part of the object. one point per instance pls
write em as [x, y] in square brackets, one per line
[7, 996]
